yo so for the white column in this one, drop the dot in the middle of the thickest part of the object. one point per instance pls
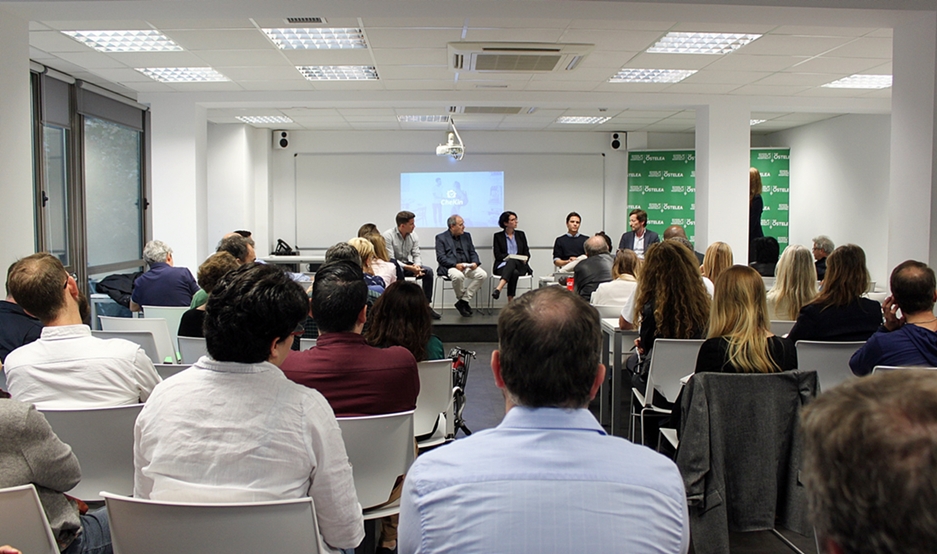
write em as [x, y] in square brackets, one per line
[229, 180]
[723, 144]
[179, 198]
[17, 226]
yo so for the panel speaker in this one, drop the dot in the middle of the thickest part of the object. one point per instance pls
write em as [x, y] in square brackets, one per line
[281, 140]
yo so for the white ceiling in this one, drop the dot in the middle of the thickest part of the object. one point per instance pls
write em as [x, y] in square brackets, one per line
[778, 75]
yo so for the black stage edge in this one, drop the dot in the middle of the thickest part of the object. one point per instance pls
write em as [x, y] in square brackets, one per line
[453, 328]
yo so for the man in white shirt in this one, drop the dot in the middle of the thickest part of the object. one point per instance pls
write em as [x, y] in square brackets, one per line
[406, 250]
[67, 367]
[233, 428]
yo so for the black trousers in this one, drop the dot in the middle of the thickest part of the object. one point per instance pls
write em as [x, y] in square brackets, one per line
[427, 281]
[510, 272]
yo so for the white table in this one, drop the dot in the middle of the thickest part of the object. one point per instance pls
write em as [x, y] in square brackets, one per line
[612, 337]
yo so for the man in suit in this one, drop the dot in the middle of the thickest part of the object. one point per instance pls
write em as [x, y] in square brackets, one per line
[595, 269]
[458, 260]
[639, 238]
[822, 248]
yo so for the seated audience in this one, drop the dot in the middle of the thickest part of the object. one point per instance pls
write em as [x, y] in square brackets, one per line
[740, 338]
[795, 286]
[839, 313]
[67, 367]
[625, 271]
[910, 340]
[458, 260]
[16, 326]
[382, 264]
[676, 231]
[718, 259]
[232, 428]
[569, 248]
[548, 478]
[766, 255]
[401, 318]
[595, 269]
[822, 248]
[507, 243]
[366, 254]
[163, 284]
[240, 245]
[30, 453]
[869, 465]
[209, 273]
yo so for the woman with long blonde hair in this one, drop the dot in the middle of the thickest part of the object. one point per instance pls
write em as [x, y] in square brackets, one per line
[717, 259]
[740, 338]
[795, 286]
[366, 253]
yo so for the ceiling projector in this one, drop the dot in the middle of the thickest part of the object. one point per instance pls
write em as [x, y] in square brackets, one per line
[453, 146]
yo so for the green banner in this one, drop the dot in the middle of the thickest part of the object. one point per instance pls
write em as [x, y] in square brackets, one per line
[774, 165]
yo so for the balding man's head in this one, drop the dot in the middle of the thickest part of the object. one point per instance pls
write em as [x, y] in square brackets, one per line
[675, 231]
[595, 245]
[913, 286]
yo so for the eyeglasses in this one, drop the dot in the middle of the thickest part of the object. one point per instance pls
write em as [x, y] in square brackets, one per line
[73, 276]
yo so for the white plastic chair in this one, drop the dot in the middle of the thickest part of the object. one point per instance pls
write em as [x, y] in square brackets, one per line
[192, 348]
[141, 526]
[380, 449]
[671, 360]
[829, 359]
[23, 523]
[523, 282]
[164, 345]
[102, 439]
[781, 327]
[433, 403]
[166, 371]
[894, 367]
[306, 344]
[143, 338]
[172, 315]
[608, 311]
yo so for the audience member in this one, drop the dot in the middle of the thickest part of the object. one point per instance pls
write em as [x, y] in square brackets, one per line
[676, 231]
[405, 246]
[279, 440]
[795, 285]
[30, 453]
[528, 484]
[67, 367]
[639, 238]
[569, 248]
[870, 468]
[401, 318]
[839, 313]
[909, 340]
[457, 259]
[16, 326]
[240, 245]
[718, 259]
[625, 272]
[740, 338]
[209, 273]
[822, 248]
[366, 255]
[766, 255]
[507, 243]
[594, 270]
[163, 284]
[381, 264]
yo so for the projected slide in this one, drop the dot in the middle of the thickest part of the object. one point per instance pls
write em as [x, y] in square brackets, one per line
[477, 196]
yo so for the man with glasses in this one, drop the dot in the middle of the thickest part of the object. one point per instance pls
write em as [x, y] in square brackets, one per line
[822, 247]
[67, 367]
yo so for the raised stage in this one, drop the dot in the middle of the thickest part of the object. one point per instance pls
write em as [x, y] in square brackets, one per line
[453, 328]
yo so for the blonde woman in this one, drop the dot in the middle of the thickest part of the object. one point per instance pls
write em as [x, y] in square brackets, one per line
[366, 252]
[625, 271]
[381, 264]
[717, 259]
[740, 338]
[796, 284]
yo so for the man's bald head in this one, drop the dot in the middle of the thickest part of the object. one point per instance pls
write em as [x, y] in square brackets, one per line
[675, 231]
[913, 286]
[595, 245]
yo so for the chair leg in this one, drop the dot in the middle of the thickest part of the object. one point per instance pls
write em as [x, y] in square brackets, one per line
[786, 542]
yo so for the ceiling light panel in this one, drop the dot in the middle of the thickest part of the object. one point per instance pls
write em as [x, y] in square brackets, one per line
[862, 81]
[423, 118]
[182, 74]
[338, 72]
[701, 43]
[581, 120]
[260, 119]
[651, 75]
[125, 41]
[317, 39]
[753, 122]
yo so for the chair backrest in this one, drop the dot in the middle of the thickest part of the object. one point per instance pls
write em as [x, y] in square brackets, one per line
[894, 367]
[102, 439]
[781, 327]
[306, 344]
[608, 311]
[380, 449]
[144, 338]
[435, 395]
[769, 281]
[141, 526]
[166, 371]
[164, 345]
[829, 359]
[192, 348]
[172, 315]
[23, 523]
[671, 360]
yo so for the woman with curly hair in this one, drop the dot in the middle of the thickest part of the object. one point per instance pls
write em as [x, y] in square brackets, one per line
[401, 317]
[795, 286]
[210, 272]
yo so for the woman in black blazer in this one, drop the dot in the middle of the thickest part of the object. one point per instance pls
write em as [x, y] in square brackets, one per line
[509, 241]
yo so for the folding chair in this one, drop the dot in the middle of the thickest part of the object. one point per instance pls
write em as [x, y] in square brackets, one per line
[165, 347]
[172, 315]
[143, 338]
[829, 359]
[434, 402]
[23, 523]
[671, 360]
[192, 348]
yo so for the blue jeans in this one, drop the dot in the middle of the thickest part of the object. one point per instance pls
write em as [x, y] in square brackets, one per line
[95, 537]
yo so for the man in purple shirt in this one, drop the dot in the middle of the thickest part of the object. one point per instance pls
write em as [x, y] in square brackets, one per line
[163, 284]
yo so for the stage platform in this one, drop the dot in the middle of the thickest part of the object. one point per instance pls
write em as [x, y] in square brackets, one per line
[453, 328]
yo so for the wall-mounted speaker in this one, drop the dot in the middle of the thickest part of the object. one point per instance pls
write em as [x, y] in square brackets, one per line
[281, 140]
[618, 141]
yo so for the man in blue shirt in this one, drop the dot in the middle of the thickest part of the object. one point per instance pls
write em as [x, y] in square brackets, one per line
[548, 478]
[163, 284]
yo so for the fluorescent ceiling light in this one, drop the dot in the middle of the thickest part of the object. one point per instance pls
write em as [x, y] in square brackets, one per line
[182, 74]
[125, 41]
[423, 118]
[255, 119]
[700, 43]
[338, 72]
[753, 122]
[861, 81]
[651, 75]
[314, 39]
[581, 120]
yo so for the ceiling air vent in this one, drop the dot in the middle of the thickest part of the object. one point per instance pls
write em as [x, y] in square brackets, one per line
[305, 20]
[499, 110]
[515, 57]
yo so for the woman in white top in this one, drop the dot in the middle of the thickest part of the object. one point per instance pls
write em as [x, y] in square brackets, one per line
[625, 271]
[795, 286]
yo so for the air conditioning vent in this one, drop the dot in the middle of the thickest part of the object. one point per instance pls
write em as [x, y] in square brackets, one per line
[305, 20]
[516, 57]
[499, 110]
